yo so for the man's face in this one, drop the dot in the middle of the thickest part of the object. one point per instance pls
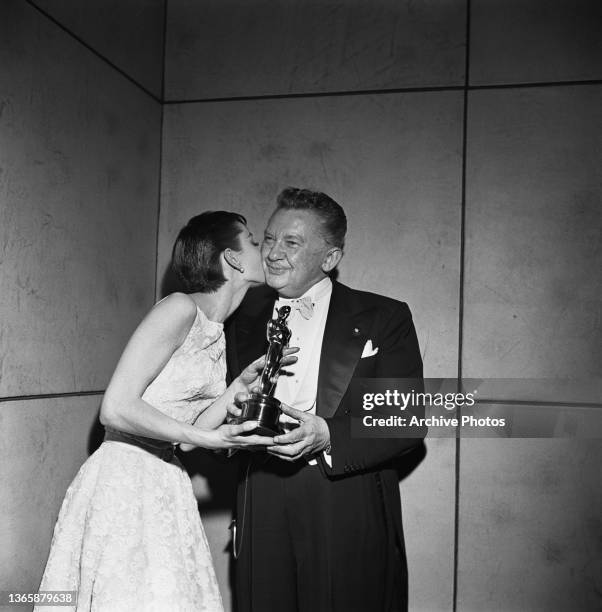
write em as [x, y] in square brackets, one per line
[293, 250]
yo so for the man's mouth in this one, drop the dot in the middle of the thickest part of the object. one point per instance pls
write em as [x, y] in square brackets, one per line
[273, 270]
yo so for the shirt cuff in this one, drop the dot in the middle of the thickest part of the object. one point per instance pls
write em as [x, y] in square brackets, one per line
[327, 458]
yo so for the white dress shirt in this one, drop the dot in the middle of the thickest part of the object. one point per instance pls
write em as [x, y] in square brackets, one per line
[297, 386]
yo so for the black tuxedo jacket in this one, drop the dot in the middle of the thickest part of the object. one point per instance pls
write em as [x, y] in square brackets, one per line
[353, 318]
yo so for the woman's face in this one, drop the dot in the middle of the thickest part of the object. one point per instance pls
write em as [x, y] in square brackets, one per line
[250, 256]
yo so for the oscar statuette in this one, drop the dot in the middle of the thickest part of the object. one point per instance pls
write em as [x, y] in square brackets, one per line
[262, 406]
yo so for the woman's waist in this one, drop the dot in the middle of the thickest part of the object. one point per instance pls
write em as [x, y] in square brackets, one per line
[159, 448]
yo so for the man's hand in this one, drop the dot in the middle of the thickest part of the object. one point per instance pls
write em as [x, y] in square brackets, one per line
[250, 375]
[311, 437]
[232, 410]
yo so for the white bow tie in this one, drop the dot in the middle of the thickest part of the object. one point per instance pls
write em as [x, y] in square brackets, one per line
[304, 305]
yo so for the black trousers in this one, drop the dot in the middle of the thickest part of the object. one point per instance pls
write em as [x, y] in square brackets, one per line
[304, 547]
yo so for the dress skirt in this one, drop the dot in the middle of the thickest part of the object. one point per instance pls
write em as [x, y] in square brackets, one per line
[129, 537]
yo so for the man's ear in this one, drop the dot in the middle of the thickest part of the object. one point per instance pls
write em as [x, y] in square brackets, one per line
[331, 259]
[232, 260]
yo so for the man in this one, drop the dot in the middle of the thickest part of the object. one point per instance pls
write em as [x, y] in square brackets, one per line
[319, 515]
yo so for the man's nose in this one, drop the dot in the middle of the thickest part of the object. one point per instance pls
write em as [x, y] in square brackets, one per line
[275, 252]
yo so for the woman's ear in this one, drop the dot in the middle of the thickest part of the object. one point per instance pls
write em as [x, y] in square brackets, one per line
[331, 259]
[232, 260]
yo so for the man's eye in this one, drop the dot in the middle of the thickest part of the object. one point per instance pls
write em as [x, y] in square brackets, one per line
[291, 243]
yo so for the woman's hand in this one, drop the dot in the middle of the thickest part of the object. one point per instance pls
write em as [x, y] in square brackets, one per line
[219, 435]
[250, 375]
[234, 436]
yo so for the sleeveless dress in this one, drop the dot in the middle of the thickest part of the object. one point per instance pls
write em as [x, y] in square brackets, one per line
[129, 536]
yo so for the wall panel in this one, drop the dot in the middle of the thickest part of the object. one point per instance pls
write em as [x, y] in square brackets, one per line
[529, 530]
[222, 48]
[533, 303]
[127, 33]
[427, 501]
[530, 41]
[43, 443]
[78, 208]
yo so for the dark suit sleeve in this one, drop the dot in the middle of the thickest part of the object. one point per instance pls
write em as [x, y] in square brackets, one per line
[398, 357]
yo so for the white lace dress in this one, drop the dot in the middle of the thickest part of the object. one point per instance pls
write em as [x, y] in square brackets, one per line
[129, 535]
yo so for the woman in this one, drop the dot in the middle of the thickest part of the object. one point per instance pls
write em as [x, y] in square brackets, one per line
[129, 535]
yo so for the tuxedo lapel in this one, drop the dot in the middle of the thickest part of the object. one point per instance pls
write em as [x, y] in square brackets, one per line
[347, 327]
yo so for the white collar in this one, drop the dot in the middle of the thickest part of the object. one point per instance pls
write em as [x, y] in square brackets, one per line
[316, 292]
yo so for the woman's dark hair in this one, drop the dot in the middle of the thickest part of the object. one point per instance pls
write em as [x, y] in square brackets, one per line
[195, 258]
[334, 221]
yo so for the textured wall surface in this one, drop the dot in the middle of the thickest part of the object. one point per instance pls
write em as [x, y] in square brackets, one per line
[523, 41]
[78, 209]
[394, 163]
[129, 33]
[533, 301]
[529, 525]
[233, 48]
[43, 443]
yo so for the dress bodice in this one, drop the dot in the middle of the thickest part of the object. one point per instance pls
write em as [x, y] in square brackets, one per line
[194, 376]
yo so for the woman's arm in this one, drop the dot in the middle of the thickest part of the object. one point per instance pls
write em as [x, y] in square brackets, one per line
[215, 414]
[160, 333]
